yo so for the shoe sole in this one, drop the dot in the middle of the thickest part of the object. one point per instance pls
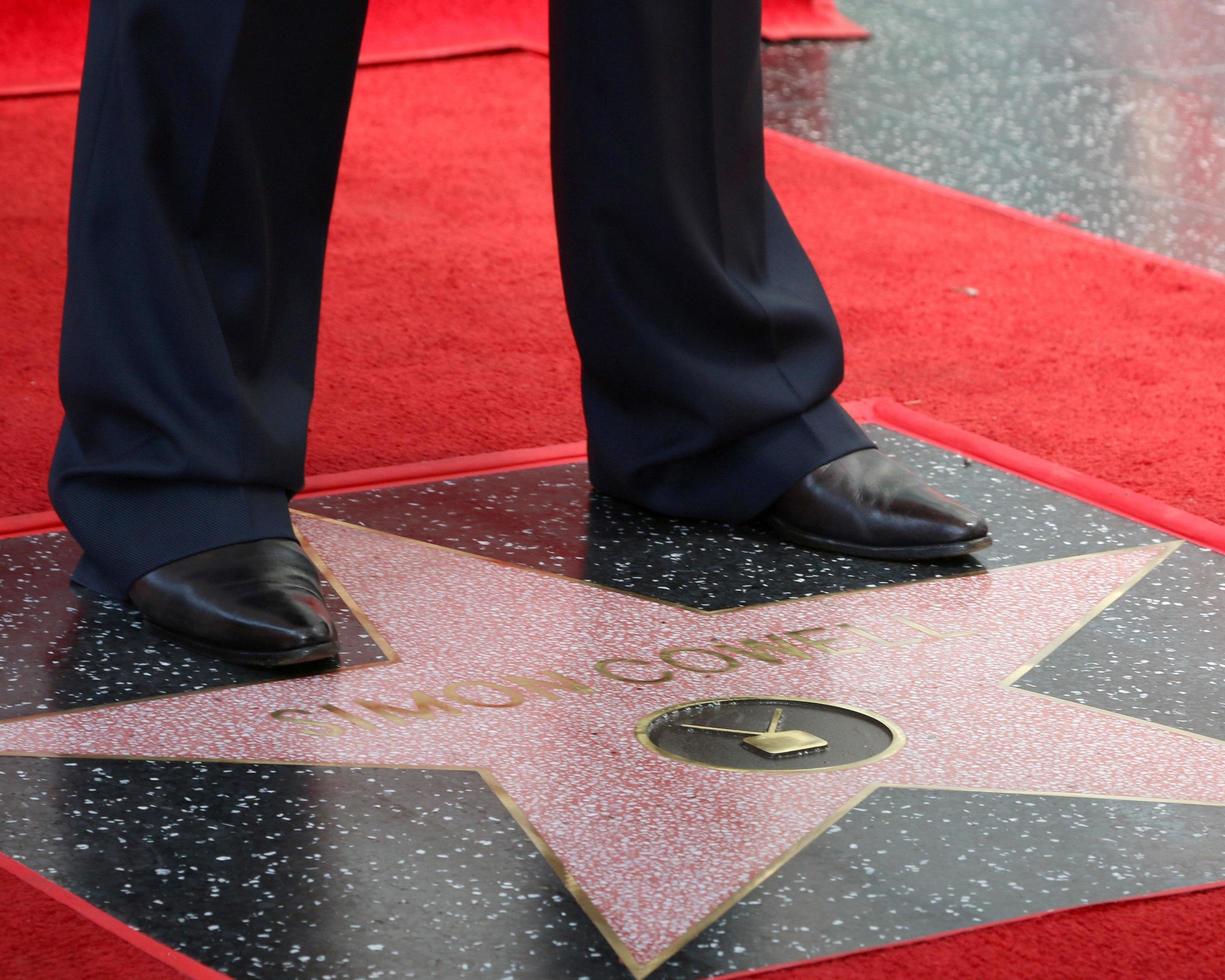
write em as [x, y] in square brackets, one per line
[295, 657]
[919, 552]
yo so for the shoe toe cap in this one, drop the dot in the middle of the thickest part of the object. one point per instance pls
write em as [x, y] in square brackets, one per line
[288, 620]
[936, 519]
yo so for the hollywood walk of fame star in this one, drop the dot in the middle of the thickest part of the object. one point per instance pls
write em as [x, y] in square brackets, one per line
[498, 670]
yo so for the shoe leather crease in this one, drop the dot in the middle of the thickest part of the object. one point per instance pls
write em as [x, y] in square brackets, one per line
[258, 596]
[867, 499]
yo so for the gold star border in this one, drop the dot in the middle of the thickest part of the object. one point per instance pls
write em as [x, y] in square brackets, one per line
[640, 969]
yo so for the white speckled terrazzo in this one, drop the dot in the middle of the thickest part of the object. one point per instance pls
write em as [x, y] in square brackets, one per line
[625, 823]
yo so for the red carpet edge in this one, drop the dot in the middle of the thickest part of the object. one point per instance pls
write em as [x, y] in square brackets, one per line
[190, 968]
[173, 959]
[1106, 303]
[985, 204]
[1082, 486]
[798, 968]
[884, 411]
[783, 20]
[383, 58]
[369, 479]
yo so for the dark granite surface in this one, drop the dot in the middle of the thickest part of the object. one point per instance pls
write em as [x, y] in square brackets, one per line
[549, 519]
[314, 871]
[323, 872]
[1111, 112]
[64, 648]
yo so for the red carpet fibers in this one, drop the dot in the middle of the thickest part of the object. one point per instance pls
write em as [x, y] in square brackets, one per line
[48, 934]
[44, 40]
[42, 939]
[1176, 936]
[444, 332]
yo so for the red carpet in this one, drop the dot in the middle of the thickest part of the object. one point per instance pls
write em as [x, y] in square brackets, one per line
[43, 939]
[1176, 936]
[444, 332]
[49, 934]
[44, 40]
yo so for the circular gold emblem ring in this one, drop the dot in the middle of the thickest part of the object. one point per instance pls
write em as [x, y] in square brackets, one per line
[770, 734]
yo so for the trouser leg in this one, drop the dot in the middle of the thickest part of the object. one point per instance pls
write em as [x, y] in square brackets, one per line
[710, 353]
[208, 140]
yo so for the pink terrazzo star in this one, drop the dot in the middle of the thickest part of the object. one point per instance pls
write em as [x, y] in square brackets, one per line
[626, 825]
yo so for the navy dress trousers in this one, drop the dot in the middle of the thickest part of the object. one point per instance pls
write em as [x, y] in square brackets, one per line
[208, 140]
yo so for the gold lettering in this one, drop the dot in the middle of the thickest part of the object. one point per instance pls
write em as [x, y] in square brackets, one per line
[772, 650]
[454, 692]
[424, 706]
[548, 683]
[604, 667]
[827, 646]
[351, 718]
[872, 638]
[728, 663]
[803, 637]
[309, 726]
[935, 634]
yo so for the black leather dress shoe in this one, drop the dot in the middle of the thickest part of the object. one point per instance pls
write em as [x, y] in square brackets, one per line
[257, 603]
[867, 505]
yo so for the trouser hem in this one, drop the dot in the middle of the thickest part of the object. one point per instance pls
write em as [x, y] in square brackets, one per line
[737, 482]
[135, 529]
